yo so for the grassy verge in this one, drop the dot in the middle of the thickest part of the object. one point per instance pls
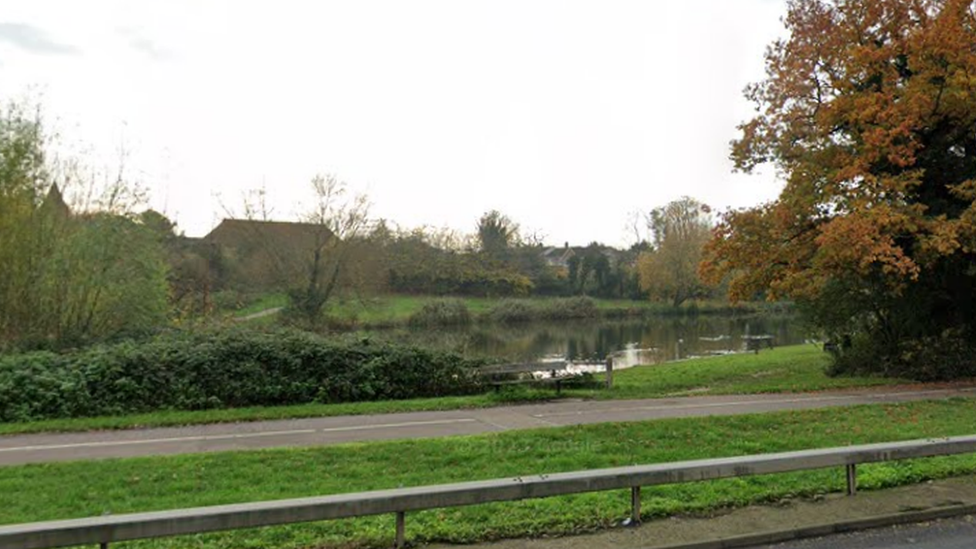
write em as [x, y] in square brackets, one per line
[168, 418]
[785, 369]
[66, 490]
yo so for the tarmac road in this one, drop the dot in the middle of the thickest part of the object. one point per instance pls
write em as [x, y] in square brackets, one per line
[38, 448]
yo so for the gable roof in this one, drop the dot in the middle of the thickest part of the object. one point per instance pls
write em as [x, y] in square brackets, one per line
[55, 204]
[281, 235]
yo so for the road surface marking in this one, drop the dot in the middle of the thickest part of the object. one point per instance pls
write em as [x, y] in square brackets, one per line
[538, 417]
[231, 436]
[397, 425]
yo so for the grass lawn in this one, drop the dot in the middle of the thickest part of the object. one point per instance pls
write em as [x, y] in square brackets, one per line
[794, 368]
[263, 303]
[68, 490]
[397, 309]
[785, 369]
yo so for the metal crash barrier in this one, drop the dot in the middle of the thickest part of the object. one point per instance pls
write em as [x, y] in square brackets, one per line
[104, 530]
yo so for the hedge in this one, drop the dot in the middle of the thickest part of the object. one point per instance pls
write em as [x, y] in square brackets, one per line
[223, 369]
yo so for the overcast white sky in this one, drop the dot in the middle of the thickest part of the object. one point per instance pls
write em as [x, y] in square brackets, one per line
[565, 115]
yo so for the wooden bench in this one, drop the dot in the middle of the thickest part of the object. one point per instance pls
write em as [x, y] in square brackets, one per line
[756, 342]
[835, 347]
[524, 374]
[717, 339]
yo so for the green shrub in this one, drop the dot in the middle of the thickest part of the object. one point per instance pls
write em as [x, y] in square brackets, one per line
[519, 310]
[228, 300]
[442, 312]
[949, 355]
[512, 310]
[231, 368]
[572, 307]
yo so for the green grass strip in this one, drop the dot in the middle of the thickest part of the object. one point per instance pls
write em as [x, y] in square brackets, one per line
[67, 490]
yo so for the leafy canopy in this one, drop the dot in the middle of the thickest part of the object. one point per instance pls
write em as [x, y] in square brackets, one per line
[868, 111]
[679, 231]
[69, 276]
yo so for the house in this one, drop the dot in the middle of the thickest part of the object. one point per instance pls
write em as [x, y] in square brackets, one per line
[558, 257]
[54, 203]
[241, 234]
[261, 254]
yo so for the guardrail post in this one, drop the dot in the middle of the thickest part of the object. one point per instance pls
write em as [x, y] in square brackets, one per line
[635, 505]
[401, 528]
[609, 371]
[851, 479]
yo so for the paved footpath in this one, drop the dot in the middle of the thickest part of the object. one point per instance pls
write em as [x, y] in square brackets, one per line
[755, 525]
[20, 449]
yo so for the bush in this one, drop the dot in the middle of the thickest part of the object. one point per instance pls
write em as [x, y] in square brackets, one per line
[442, 312]
[231, 368]
[228, 300]
[512, 310]
[949, 355]
[572, 307]
[517, 310]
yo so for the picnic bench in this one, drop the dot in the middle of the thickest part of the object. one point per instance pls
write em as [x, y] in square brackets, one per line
[756, 342]
[727, 348]
[499, 375]
[835, 347]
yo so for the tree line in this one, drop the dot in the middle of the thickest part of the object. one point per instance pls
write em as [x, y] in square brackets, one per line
[867, 110]
[80, 263]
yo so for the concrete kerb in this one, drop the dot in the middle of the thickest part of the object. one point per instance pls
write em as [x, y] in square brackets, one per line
[819, 530]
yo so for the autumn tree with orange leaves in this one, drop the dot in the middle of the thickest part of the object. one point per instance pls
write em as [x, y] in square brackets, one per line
[868, 111]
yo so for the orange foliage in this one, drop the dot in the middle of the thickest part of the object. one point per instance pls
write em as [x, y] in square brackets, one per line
[869, 109]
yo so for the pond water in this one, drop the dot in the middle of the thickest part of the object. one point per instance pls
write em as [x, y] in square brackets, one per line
[630, 341]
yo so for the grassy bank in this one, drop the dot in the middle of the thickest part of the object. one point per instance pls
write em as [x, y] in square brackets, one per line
[785, 369]
[66, 490]
[396, 310]
[794, 368]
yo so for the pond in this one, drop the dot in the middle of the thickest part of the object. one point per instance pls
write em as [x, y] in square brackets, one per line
[630, 341]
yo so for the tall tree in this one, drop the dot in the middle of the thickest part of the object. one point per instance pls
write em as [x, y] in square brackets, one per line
[679, 231]
[869, 111]
[66, 275]
[23, 178]
[496, 234]
[573, 267]
[341, 221]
